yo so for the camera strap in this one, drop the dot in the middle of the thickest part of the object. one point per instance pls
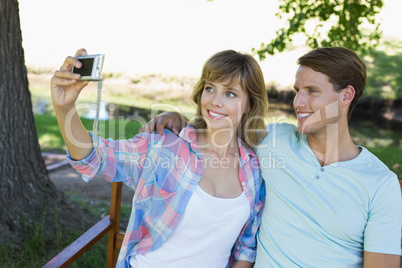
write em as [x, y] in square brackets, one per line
[99, 156]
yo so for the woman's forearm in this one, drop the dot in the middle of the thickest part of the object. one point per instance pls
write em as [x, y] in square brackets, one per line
[76, 137]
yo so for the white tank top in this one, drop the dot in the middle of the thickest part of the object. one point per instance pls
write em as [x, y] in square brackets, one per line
[204, 237]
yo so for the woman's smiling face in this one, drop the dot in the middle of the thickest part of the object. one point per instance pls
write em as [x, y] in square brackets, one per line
[223, 106]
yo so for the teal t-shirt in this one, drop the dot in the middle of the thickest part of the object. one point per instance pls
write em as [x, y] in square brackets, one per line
[324, 216]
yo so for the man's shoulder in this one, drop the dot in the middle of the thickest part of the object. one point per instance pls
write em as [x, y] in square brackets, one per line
[371, 172]
[281, 136]
[281, 129]
[371, 163]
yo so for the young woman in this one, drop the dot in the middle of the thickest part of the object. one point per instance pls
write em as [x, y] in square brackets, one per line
[197, 200]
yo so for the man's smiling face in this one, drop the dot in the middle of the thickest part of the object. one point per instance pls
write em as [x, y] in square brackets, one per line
[316, 102]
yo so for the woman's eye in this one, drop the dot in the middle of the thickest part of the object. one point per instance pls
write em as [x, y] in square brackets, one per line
[231, 94]
[209, 89]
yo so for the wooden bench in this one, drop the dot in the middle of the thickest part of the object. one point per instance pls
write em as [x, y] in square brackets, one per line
[108, 225]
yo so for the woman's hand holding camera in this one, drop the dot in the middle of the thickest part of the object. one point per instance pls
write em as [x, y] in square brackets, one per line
[65, 86]
[65, 89]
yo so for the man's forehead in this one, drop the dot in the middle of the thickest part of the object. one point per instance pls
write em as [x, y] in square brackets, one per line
[306, 76]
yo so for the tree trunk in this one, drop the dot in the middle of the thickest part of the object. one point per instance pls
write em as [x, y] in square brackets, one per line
[27, 195]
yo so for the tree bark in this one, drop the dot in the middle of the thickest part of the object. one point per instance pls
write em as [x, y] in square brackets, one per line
[27, 195]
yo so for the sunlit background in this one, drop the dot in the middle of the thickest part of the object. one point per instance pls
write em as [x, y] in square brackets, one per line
[154, 53]
[162, 36]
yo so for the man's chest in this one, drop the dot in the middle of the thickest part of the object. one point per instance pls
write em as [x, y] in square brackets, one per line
[322, 203]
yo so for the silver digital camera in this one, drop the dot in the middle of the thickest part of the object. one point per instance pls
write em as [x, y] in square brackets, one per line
[91, 67]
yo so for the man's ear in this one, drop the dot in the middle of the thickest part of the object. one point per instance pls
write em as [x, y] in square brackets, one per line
[348, 94]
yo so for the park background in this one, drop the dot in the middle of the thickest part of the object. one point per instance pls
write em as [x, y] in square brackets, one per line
[155, 51]
[154, 54]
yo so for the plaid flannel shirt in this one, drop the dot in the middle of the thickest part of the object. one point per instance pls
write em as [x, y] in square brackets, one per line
[164, 172]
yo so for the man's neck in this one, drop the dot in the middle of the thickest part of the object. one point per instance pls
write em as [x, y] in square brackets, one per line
[335, 145]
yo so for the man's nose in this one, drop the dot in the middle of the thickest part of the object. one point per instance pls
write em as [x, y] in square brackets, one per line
[299, 100]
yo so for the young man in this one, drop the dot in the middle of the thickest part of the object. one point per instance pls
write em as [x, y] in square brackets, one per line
[329, 203]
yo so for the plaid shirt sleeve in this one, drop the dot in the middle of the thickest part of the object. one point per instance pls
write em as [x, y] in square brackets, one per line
[124, 160]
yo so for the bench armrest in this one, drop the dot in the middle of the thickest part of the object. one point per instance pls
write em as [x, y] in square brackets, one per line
[82, 244]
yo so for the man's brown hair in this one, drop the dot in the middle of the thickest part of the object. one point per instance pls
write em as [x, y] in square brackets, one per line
[342, 66]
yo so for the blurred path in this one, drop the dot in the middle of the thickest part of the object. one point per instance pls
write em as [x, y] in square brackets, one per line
[67, 179]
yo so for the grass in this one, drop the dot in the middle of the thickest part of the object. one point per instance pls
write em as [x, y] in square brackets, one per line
[37, 250]
[51, 140]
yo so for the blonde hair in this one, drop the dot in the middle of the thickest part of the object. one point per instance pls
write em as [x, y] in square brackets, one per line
[231, 67]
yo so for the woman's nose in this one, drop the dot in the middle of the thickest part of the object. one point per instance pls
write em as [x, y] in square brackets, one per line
[217, 100]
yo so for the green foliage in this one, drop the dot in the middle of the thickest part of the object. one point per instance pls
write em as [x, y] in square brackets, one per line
[373, 137]
[392, 158]
[345, 17]
[384, 73]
